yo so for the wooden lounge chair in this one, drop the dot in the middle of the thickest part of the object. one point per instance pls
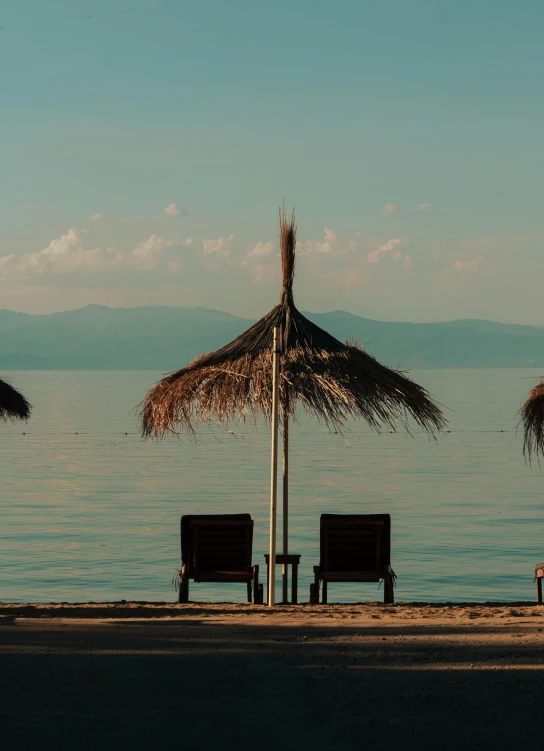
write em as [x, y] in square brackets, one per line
[354, 548]
[218, 548]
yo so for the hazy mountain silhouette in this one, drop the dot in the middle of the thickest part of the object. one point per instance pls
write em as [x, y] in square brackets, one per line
[162, 338]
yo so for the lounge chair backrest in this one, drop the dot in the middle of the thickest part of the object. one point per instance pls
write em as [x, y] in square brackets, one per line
[185, 528]
[355, 542]
[217, 542]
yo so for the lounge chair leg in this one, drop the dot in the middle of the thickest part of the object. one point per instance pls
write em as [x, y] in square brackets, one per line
[539, 590]
[314, 594]
[184, 589]
[249, 595]
[388, 591]
[324, 596]
[257, 588]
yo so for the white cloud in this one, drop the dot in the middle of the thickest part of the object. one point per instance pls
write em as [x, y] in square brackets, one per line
[375, 256]
[146, 253]
[470, 266]
[95, 217]
[218, 246]
[58, 247]
[391, 246]
[67, 255]
[130, 220]
[170, 211]
[355, 249]
[262, 249]
[327, 246]
[425, 208]
[187, 243]
[389, 208]
[64, 255]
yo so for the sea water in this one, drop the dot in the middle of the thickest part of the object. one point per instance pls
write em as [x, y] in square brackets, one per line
[90, 512]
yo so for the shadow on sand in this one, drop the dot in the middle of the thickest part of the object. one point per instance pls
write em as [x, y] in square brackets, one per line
[201, 685]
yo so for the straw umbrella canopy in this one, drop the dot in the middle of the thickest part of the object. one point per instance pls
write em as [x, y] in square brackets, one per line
[13, 405]
[532, 419]
[328, 379]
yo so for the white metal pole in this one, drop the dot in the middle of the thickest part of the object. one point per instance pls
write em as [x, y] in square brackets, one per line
[274, 471]
[285, 499]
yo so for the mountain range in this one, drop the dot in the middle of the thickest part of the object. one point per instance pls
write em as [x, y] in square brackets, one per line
[166, 338]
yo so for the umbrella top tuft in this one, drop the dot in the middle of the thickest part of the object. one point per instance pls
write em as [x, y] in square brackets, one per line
[288, 243]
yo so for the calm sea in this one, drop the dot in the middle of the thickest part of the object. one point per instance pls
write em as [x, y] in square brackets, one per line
[90, 512]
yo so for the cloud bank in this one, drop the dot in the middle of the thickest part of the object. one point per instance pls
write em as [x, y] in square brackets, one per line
[68, 255]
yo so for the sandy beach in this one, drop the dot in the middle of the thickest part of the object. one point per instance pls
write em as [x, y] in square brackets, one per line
[230, 676]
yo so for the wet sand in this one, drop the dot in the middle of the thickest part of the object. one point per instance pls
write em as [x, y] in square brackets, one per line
[198, 676]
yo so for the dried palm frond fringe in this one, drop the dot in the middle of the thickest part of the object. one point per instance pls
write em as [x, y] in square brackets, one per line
[532, 418]
[329, 379]
[13, 405]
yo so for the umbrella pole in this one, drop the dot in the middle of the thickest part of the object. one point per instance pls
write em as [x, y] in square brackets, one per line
[274, 472]
[285, 535]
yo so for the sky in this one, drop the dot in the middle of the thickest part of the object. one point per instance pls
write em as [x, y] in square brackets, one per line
[146, 146]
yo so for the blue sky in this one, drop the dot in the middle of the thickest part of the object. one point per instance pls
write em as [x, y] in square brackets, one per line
[146, 145]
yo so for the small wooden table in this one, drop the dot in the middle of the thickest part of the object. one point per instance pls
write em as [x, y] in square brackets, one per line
[284, 560]
[539, 573]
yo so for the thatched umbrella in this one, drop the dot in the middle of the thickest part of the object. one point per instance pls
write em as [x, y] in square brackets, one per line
[532, 418]
[330, 380]
[13, 405]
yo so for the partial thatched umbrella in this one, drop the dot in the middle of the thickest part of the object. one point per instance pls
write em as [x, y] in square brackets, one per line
[532, 418]
[13, 405]
[330, 380]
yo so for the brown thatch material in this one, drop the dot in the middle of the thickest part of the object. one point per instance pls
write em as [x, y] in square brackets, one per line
[330, 380]
[13, 405]
[532, 418]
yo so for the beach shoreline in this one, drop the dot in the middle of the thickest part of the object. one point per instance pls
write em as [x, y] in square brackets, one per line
[401, 611]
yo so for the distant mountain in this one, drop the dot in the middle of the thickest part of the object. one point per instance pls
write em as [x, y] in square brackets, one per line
[164, 339]
[452, 344]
